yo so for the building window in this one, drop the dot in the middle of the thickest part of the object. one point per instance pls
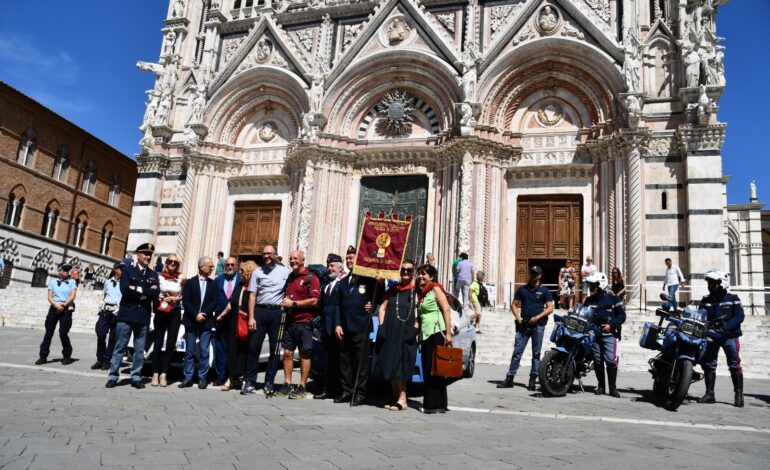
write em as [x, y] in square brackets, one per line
[62, 164]
[13, 210]
[81, 225]
[114, 192]
[50, 218]
[664, 201]
[27, 146]
[89, 179]
[104, 246]
[40, 277]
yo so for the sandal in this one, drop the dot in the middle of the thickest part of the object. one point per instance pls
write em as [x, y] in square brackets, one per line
[399, 407]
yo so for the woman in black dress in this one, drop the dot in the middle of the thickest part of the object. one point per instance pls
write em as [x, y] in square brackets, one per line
[618, 284]
[238, 350]
[396, 347]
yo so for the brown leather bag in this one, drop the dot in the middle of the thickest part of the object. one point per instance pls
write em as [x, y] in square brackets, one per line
[447, 362]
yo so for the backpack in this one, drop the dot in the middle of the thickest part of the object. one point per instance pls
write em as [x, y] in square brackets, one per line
[483, 296]
[319, 271]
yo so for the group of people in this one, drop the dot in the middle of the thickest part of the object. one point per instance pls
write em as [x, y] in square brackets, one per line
[567, 283]
[246, 304]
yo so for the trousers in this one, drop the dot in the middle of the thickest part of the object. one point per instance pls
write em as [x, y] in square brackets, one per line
[221, 348]
[123, 332]
[435, 396]
[105, 336]
[268, 322]
[354, 363]
[732, 349]
[166, 328]
[64, 320]
[605, 351]
[523, 336]
[204, 342]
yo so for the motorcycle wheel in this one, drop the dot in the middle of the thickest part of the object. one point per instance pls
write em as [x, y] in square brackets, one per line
[679, 385]
[554, 379]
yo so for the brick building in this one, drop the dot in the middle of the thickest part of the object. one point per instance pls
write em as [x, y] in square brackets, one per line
[64, 194]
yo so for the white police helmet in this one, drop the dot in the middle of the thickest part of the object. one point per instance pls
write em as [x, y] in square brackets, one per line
[721, 277]
[598, 277]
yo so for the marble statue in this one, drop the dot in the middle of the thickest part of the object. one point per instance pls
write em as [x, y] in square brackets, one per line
[703, 106]
[198, 103]
[631, 69]
[177, 11]
[470, 75]
[161, 116]
[149, 113]
[466, 115]
[692, 64]
[169, 43]
[547, 19]
[753, 191]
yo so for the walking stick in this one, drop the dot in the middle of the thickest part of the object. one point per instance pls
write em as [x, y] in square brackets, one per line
[277, 347]
[366, 346]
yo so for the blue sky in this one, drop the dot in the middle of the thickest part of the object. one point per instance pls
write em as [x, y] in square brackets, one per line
[79, 59]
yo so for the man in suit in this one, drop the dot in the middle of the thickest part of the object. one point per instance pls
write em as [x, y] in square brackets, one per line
[226, 283]
[138, 289]
[328, 305]
[199, 301]
[352, 330]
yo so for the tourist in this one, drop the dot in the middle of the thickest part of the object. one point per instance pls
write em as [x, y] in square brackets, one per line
[435, 322]
[139, 289]
[609, 313]
[302, 291]
[88, 277]
[107, 320]
[356, 297]
[430, 259]
[464, 278]
[265, 296]
[455, 287]
[61, 296]
[238, 348]
[396, 347]
[475, 304]
[567, 285]
[329, 308]
[671, 283]
[199, 297]
[618, 286]
[226, 284]
[585, 271]
[220, 264]
[168, 319]
[75, 276]
[350, 260]
[532, 303]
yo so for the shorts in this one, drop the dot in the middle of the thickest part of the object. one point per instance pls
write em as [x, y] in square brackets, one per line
[298, 335]
[476, 307]
[584, 287]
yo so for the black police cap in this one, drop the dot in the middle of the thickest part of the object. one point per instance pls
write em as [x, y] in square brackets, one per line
[64, 266]
[146, 247]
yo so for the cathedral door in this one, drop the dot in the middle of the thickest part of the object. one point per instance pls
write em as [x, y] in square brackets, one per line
[404, 195]
[256, 224]
[548, 231]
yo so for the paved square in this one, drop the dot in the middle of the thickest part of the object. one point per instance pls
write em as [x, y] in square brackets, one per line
[63, 417]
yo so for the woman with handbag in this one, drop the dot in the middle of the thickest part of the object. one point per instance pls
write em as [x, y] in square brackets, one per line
[396, 348]
[238, 344]
[434, 318]
[168, 319]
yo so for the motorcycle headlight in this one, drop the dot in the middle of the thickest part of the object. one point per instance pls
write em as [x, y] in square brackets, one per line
[575, 324]
[694, 329]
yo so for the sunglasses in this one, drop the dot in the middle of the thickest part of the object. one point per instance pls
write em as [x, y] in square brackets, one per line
[407, 270]
[230, 264]
[172, 262]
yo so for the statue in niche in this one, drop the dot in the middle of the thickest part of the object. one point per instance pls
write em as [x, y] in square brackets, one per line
[397, 31]
[264, 50]
[198, 103]
[148, 141]
[692, 63]
[631, 69]
[149, 113]
[177, 11]
[267, 132]
[547, 20]
[164, 109]
[470, 75]
[169, 42]
[317, 91]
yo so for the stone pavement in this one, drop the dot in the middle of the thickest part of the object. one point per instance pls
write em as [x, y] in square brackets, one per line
[62, 417]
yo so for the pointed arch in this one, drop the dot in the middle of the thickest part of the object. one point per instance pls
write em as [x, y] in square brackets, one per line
[50, 219]
[107, 230]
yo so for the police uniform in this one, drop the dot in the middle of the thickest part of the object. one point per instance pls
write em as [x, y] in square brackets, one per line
[61, 289]
[609, 311]
[106, 322]
[139, 288]
[725, 315]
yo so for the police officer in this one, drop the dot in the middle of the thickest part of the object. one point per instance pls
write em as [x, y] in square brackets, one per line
[139, 287]
[61, 296]
[725, 315]
[610, 315]
[105, 324]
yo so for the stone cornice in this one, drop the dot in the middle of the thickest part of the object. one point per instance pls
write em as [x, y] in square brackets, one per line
[693, 138]
[258, 180]
[152, 163]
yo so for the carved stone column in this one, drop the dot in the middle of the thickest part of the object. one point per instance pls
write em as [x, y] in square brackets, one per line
[466, 199]
[187, 208]
[305, 207]
[144, 213]
[634, 142]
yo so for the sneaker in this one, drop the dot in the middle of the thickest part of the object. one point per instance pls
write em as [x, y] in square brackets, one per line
[298, 393]
[248, 389]
[268, 391]
[284, 390]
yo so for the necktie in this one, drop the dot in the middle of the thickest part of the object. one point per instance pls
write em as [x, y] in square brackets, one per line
[229, 288]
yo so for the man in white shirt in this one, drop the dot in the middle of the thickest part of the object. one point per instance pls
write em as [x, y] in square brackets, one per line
[671, 282]
[585, 271]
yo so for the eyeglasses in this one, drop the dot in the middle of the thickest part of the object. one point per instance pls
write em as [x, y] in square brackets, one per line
[267, 254]
[172, 262]
[230, 264]
[407, 270]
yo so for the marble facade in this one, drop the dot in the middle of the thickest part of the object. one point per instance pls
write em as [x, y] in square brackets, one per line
[297, 102]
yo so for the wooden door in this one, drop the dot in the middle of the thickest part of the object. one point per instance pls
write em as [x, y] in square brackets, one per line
[548, 229]
[255, 225]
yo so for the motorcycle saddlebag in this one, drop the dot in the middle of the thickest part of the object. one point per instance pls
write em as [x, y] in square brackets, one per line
[649, 339]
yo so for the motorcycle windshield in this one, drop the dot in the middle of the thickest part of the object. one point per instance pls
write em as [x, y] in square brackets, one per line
[695, 314]
[584, 312]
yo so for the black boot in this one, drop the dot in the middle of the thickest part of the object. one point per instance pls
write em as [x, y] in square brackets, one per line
[507, 383]
[612, 377]
[709, 377]
[600, 378]
[738, 387]
[531, 386]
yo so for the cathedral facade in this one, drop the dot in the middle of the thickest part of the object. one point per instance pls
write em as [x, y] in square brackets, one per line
[519, 131]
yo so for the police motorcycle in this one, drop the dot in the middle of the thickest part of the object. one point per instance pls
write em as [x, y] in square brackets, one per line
[682, 344]
[571, 357]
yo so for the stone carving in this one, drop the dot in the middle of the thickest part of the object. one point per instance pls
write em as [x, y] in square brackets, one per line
[570, 31]
[550, 115]
[169, 43]
[306, 205]
[527, 32]
[177, 11]
[349, 35]
[466, 202]
[312, 123]
[396, 113]
[267, 132]
[704, 106]
[601, 7]
[164, 108]
[43, 260]
[231, 46]
[659, 147]
[498, 15]
[466, 115]
[153, 100]
[447, 20]
[753, 191]
[548, 19]
[214, 4]
[634, 108]
[632, 69]
[305, 37]
[147, 142]
[470, 75]
[198, 103]
[264, 50]
[398, 30]
[317, 91]
[190, 139]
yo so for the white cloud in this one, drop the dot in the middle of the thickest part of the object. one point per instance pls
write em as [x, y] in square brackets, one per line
[22, 58]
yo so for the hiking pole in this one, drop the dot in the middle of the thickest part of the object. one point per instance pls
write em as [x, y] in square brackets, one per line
[277, 348]
[366, 345]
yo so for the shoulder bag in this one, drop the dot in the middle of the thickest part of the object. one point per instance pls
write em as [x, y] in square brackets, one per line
[447, 362]
[242, 329]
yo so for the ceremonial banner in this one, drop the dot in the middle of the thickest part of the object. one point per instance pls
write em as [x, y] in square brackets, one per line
[381, 246]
